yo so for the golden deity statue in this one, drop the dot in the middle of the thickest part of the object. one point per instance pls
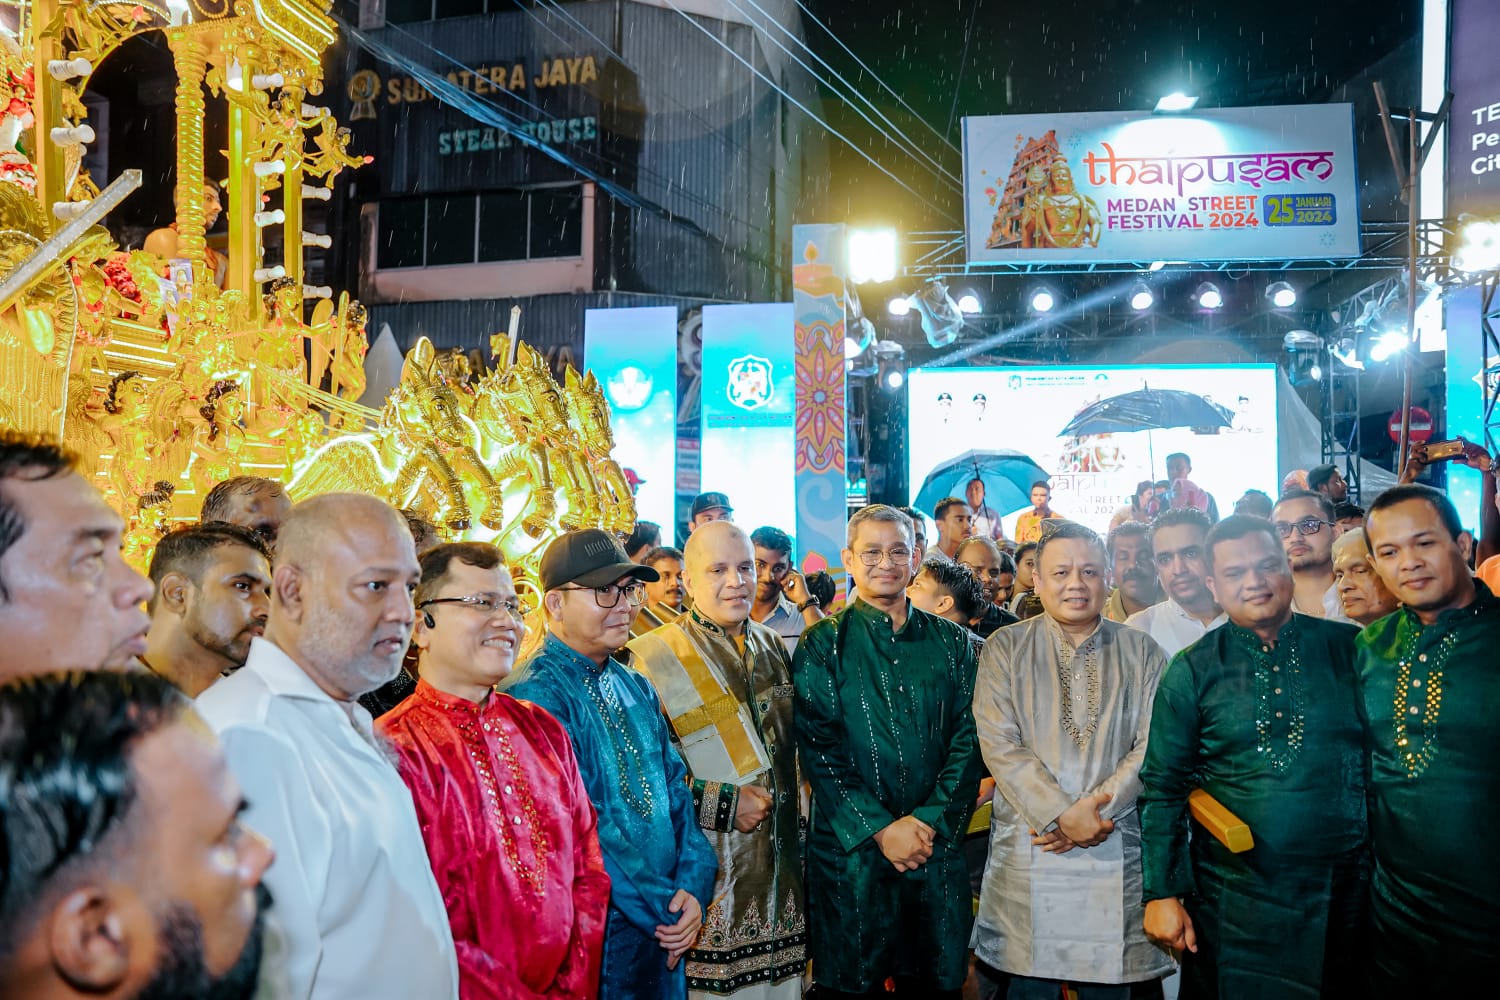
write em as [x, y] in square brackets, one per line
[1062, 217]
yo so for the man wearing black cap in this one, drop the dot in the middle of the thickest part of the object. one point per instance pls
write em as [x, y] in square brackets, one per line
[710, 507]
[660, 865]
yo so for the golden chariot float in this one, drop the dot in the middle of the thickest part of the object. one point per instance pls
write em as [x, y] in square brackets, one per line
[170, 373]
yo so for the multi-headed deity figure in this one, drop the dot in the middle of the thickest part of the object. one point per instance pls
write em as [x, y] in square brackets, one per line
[590, 413]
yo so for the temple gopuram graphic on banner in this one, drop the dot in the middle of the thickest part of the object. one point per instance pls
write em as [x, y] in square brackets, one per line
[1027, 180]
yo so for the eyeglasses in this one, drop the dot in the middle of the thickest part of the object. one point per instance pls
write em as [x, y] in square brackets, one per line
[899, 556]
[487, 604]
[1306, 526]
[609, 595]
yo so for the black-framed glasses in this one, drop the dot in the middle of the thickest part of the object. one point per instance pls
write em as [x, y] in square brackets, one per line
[899, 556]
[609, 595]
[487, 604]
[1306, 526]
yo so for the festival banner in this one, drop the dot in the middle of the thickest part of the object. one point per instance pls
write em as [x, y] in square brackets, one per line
[1473, 193]
[1271, 183]
[633, 354]
[749, 410]
[818, 280]
[954, 411]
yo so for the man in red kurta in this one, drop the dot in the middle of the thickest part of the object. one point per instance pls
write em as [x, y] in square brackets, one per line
[509, 827]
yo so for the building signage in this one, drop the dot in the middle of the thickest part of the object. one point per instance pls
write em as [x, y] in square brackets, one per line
[1272, 183]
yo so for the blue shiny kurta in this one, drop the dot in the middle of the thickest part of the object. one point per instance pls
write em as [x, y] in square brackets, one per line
[648, 829]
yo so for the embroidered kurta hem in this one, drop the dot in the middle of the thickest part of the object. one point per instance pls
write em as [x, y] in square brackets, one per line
[886, 730]
[1273, 733]
[512, 839]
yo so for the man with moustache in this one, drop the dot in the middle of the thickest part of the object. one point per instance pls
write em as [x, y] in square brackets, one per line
[1178, 548]
[955, 522]
[1133, 570]
[725, 685]
[661, 867]
[127, 871]
[1261, 713]
[1307, 527]
[60, 566]
[1364, 595]
[213, 596]
[509, 827]
[1063, 705]
[1429, 688]
[357, 910]
[666, 597]
[887, 742]
[782, 602]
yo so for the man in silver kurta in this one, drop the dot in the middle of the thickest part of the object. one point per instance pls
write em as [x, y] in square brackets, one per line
[1063, 706]
[725, 683]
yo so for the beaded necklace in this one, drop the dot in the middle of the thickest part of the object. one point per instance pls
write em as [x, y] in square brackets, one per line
[1067, 654]
[1271, 680]
[617, 724]
[1417, 759]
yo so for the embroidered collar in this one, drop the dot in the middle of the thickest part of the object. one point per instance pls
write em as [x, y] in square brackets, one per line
[1254, 643]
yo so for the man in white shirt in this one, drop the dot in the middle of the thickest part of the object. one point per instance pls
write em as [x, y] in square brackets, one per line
[357, 911]
[1178, 541]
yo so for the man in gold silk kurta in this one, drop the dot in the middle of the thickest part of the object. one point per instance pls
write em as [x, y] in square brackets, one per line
[725, 683]
[887, 740]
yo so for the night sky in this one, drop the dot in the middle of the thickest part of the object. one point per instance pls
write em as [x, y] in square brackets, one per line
[971, 57]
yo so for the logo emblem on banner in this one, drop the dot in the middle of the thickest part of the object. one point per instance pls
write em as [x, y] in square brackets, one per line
[629, 388]
[364, 87]
[750, 384]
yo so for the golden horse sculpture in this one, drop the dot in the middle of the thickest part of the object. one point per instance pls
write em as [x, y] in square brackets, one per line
[423, 454]
[615, 499]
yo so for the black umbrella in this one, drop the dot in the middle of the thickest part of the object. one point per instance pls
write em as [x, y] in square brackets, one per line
[1147, 410]
[1007, 477]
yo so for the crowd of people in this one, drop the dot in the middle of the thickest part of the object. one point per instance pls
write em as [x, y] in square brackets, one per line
[317, 752]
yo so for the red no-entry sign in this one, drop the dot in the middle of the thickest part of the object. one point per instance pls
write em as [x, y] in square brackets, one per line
[1421, 426]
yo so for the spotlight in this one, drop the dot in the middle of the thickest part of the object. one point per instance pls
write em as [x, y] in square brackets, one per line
[968, 303]
[1480, 246]
[1209, 296]
[1281, 294]
[1315, 373]
[1141, 298]
[1388, 345]
[890, 359]
[893, 379]
[872, 255]
[1175, 102]
[1042, 300]
[898, 306]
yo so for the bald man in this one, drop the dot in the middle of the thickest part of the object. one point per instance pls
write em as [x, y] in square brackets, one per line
[1362, 592]
[358, 912]
[743, 765]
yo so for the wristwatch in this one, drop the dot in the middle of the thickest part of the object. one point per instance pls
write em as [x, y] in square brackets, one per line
[811, 602]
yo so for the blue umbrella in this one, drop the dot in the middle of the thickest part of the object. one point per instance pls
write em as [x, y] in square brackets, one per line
[1007, 477]
[1147, 410]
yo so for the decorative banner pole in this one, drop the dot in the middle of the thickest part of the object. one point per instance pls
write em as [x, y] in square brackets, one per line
[818, 292]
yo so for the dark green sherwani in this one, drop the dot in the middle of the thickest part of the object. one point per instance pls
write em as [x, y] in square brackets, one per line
[1274, 735]
[1435, 904]
[886, 729]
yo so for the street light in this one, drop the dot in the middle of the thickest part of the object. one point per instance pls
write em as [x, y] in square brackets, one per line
[1281, 294]
[1175, 102]
[872, 255]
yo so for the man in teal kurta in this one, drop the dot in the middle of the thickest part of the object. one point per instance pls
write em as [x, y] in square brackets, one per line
[886, 733]
[1262, 714]
[1429, 676]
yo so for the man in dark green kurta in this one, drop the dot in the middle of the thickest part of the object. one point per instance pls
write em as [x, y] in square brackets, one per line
[1262, 713]
[886, 731]
[1430, 683]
